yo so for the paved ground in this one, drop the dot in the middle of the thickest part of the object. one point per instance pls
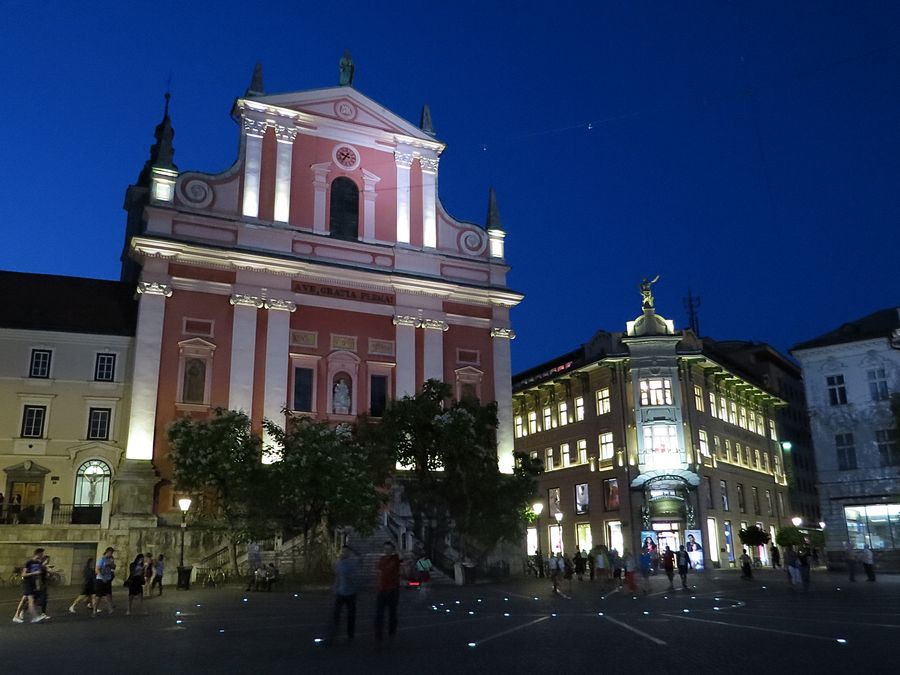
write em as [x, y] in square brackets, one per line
[723, 624]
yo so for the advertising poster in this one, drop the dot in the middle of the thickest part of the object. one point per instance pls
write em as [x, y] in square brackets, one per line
[649, 541]
[693, 544]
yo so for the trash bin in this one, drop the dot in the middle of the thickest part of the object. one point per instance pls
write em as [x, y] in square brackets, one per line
[184, 577]
[468, 573]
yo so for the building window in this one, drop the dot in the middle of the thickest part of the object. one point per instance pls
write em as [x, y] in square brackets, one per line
[776, 463]
[704, 443]
[886, 439]
[740, 495]
[98, 424]
[698, 397]
[846, 452]
[712, 404]
[611, 494]
[723, 409]
[874, 525]
[532, 422]
[728, 456]
[656, 391]
[603, 404]
[344, 218]
[742, 417]
[739, 455]
[707, 489]
[579, 409]
[717, 446]
[769, 507]
[780, 505]
[92, 483]
[548, 418]
[756, 461]
[553, 502]
[581, 446]
[582, 498]
[607, 448]
[548, 459]
[878, 388]
[565, 456]
[40, 363]
[563, 414]
[773, 434]
[732, 412]
[303, 388]
[520, 426]
[765, 461]
[378, 394]
[723, 493]
[837, 392]
[195, 365]
[33, 417]
[105, 368]
[755, 494]
[760, 426]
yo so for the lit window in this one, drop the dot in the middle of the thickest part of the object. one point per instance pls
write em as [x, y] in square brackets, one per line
[886, 440]
[760, 425]
[565, 456]
[661, 449]
[520, 426]
[769, 506]
[105, 368]
[742, 418]
[772, 433]
[732, 412]
[656, 392]
[728, 456]
[765, 461]
[582, 451]
[92, 483]
[548, 418]
[532, 422]
[712, 404]
[563, 414]
[878, 388]
[40, 363]
[579, 409]
[723, 409]
[756, 460]
[837, 392]
[33, 421]
[611, 494]
[98, 424]
[717, 445]
[739, 455]
[607, 448]
[698, 397]
[603, 405]
[704, 443]
[846, 451]
[723, 492]
[582, 498]
[776, 462]
[548, 459]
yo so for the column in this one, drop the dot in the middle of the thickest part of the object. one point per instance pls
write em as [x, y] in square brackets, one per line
[320, 184]
[503, 396]
[145, 382]
[406, 354]
[429, 209]
[370, 180]
[253, 132]
[434, 348]
[277, 344]
[243, 348]
[404, 163]
[284, 137]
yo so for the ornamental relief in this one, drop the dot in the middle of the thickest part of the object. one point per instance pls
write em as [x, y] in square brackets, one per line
[195, 192]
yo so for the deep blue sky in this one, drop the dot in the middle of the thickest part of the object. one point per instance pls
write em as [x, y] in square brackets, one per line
[749, 151]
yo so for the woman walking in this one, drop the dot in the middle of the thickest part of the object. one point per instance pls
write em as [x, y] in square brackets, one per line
[87, 587]
[136, 581]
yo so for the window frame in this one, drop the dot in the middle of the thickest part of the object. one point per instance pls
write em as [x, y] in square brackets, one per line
[100, 436]
[34, 363]
[100, 356]
[26, 408]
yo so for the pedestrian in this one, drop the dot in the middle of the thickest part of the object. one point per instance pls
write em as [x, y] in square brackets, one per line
[553, 565]
[387, 585]
[803, 557]
[868, 562]
[159, 568]
[135, 581]
[539, 563]
[746, 566]
[31, 574]
[645, 563]
[668, 560]
[272, 576]
[43, 595]
[423, 573]
[850, 557]
[148, 570]
[791, 565]
[590, 563]
[628, 565]
[104, 573]
[683, 561]
[87, 587]
[346, 575]
[601, 565]
[775, 556]
[568, 571]
[579, 561]
[615, 563]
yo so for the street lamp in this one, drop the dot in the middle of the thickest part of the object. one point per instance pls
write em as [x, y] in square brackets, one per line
[797, 521]
[821, 524]
[184, 574]
[538, 508]
[559, 516]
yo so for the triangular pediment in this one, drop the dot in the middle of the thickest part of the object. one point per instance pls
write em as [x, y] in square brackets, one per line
[346, 104]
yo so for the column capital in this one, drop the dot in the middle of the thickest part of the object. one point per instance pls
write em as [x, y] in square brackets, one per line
[429, 164]
[403, 159]
[246, 300]
[407, 320]
[154, 288]
[435, 324]
[285, 134]
[283, 305]
[253, 127]
[506, 333]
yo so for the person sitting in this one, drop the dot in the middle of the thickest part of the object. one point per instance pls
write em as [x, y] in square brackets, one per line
[272, 576]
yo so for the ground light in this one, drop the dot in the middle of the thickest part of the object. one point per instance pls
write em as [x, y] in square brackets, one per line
[473, 644]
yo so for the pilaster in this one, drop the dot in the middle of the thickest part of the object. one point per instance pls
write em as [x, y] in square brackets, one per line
[320, 185]
[404, 161]
[434, 348]
[277, 344]
[503, 396]
[429, 198]
[284, 137]
[243, 347]
[370, 180]
[405, 337]
[253, 138]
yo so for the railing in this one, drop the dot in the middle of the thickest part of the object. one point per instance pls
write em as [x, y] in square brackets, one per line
[16, 514]
[73, 514]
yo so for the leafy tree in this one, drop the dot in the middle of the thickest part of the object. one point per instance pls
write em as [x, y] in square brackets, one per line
[789, 535]
[454, 483]
[218, 461]
[753, 536]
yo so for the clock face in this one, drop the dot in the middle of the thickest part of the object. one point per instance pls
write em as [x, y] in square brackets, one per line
[346, 156]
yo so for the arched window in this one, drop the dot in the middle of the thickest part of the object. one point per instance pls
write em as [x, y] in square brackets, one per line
[344, 219]
[92, 483]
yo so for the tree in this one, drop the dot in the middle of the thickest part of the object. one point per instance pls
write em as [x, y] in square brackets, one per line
[789, 535]
[218, 461]
[753, 536]
[454, 484]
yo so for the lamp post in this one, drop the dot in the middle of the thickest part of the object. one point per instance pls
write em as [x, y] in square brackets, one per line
[184, 574]
[538, 508]
[559, 516]
[797, 521]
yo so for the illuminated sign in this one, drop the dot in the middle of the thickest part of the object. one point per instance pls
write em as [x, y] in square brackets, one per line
[342, 293]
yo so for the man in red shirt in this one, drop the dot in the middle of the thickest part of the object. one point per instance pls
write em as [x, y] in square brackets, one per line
[387, 586]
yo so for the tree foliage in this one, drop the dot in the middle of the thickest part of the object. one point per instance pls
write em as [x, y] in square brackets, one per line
[754, 536]
[789, 535]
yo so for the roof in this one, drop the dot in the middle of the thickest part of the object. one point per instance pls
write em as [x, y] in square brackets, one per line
[880, 324]
[67, 304]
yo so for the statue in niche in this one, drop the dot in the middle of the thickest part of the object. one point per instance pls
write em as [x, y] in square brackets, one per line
[647, 292]
[347, 68]
[340, 400]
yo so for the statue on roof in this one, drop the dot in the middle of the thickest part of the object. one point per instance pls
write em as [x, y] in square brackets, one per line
[647, 292]
[347, 68]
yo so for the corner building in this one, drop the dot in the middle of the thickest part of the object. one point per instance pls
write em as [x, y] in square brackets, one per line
[651, 432]
[319, 274]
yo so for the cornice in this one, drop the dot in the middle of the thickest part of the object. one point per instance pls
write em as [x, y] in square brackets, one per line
[100, 339]
[154, 288]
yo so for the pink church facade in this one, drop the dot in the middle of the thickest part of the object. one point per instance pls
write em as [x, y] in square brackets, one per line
[319, 274]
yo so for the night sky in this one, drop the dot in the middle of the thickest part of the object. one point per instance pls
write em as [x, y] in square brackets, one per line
[747, 151]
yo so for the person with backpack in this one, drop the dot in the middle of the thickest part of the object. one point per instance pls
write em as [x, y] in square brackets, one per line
[683, 562]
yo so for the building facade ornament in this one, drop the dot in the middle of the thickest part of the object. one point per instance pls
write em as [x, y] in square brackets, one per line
[507, 333]
[246, 300]
[435, 324]
[276, 303]
[154, 288]
[404, 159]
[285, 134]
[406, 320]
[429, 163]
[254, 127]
